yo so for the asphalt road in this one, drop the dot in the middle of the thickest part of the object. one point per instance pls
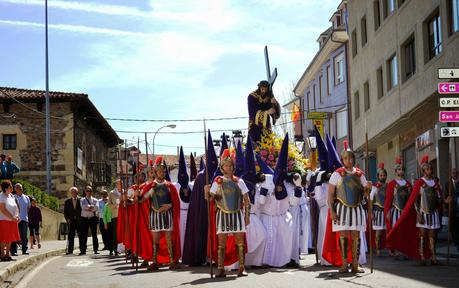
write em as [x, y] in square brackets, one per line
[103, 271]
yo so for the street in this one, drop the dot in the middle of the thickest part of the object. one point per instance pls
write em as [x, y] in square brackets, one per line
[103, 271]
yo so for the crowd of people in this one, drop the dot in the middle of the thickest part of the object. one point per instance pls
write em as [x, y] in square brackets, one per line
[265, 217]
[20, 221]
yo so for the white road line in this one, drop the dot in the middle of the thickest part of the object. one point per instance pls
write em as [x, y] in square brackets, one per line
[28, 278]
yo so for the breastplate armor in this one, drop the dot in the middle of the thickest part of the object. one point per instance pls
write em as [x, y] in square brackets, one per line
[402, 193]
[230, 196]
[161, 195]
[429, 199]
[350, 190]
[380, 196]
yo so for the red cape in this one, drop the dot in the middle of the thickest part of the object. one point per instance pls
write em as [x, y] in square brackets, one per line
[231, 251]
[331, 250]
[146, 247]
[135, 221]
[120, 224]
[404, 236]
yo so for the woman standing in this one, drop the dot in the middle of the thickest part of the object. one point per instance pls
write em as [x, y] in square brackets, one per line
[9, 218]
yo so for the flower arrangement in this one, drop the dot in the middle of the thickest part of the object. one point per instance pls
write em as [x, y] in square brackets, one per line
[269, 148]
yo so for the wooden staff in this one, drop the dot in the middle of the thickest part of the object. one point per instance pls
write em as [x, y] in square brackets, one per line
[137, 230]
[370, 207]
[125, 202]
[208, 204]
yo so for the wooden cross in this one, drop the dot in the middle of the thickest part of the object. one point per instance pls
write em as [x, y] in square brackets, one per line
[270, 77]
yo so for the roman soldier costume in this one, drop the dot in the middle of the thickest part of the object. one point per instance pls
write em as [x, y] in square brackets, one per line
[163, 194]
[378, 196]
[348, 206]
[231, 210]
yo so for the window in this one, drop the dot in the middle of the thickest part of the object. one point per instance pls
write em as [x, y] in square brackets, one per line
[453, 16]
[377, 14]
[389, 7]
[356, 105]
[366, 96]
[79, 158]
[308, 98]
[392, 72]
[434, 35]
[379, 82]
[338, 20]
[354, 43]
[341, 123]
[363, 27]
[314, 95]
[9, 142]
[339, 69]
[329, 80]
[320, 89]
[409, 58]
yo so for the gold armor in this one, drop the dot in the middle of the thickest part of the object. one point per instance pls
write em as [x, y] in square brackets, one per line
[429, 199]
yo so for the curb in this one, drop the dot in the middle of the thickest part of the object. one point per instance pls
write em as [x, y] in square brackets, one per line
[24, 263]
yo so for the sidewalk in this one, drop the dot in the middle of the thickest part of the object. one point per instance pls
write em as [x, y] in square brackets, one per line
[48, 249]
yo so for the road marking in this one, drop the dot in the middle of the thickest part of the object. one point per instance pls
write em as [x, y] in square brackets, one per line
[24, 283]
[79, 263]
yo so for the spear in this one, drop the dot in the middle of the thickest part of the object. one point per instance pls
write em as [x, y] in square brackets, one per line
[370, 205]
[208, 203]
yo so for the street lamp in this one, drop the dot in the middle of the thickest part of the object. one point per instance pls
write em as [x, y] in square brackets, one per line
[299, 143]
[172, 126]
[237, 137]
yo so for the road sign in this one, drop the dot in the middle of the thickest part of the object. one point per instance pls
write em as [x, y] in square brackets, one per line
[448, 88]
[449, 116]
[449, 102]
[317, 115]
[448, 73]
[449, 132]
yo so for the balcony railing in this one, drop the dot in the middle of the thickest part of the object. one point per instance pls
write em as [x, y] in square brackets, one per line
[100, 173]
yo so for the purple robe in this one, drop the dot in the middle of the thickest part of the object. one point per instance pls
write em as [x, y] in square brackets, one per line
[195, 246]
[259, 119]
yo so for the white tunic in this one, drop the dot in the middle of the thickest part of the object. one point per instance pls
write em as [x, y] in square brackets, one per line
[256, 237]
[183, 212]
[278, 222]
[301, 222]
[321, 196]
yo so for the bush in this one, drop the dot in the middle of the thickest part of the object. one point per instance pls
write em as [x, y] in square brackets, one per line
[44, 199]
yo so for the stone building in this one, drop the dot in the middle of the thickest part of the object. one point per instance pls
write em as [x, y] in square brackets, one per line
[396, 48]
[323, 87]
[83, 143]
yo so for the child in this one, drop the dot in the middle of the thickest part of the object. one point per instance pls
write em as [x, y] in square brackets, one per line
[35, 223]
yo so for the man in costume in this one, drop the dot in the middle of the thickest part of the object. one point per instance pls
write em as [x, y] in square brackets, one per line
[378, 196]
[184, 186]
[164, 218]
[421, 213]
[195, 246]
[345, 196]
[231, 213]
[256, 232]
[262, 106]
[274, 203]
[452, 198]
[397, 194]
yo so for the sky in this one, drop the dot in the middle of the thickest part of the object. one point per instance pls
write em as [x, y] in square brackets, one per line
[162, 59]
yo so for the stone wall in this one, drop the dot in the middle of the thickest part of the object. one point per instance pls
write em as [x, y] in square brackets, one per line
[51, 222]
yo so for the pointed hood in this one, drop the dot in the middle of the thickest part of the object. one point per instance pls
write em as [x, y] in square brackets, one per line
[321, 150]
[239, 167]
[193, 169]
[167, 175]
[334, 161]
[212, 160]
[334, 141]
[264, 168]
[280, 172]
[224, 144]
[249, 164]
[202, 165]
[182, 178]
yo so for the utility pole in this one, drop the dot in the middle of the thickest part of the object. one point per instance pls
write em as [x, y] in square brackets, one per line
[47, 107]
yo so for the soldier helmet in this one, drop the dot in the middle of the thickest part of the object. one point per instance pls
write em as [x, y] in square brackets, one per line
[347, 151]
[159, 163]
[381, 168]
[226, 157]
[398, 163]
[425, 162]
